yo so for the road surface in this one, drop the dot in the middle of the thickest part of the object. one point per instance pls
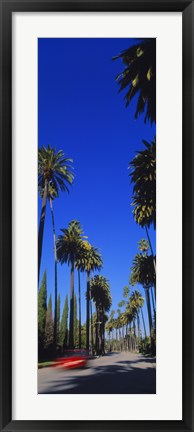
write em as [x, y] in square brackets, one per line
[115, 373]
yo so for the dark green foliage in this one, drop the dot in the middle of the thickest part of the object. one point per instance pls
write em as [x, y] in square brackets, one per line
[143, 271]
[139, 77]
[58, 318]
[69, 243]
[42, 297]
[83, 336]
[143, 176]
[76, 324]
[100, 294]
[64, 326]
[49, 328]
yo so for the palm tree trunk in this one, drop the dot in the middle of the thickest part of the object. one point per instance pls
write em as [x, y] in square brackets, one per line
[131, 338]
[103, 332]
[88, 312]
[153, 305]
[138, 325]
[92, 338]
[55, 258]
[97, 339]
[154, 261]
[143, 324]
[147, 295]
[41, 226]
[98, 332]
[71, 323]
[134, 328]
[79, 294]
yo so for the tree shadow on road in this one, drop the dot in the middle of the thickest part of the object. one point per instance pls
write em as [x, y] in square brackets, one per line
[139, 360]
[111, 379]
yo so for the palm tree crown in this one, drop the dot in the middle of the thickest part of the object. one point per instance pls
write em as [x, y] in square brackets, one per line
[54, 169]
[100, 292]
[69, 243]
[142, 271]
[88, 257]
[143, 175]
[139, 77]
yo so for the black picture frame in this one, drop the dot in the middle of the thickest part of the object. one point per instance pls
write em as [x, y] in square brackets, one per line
[6, 9]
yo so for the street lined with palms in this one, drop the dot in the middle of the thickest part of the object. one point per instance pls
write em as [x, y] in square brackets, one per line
[118, 372]
[112, 315]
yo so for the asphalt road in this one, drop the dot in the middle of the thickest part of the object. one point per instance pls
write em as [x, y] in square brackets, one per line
[115, 373]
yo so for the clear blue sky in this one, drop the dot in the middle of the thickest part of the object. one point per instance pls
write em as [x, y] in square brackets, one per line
[81, 112]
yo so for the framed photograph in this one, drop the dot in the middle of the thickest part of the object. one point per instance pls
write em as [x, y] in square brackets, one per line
[96, 215]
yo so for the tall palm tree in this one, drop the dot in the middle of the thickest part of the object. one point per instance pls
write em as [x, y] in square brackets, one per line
[143, 272]
[143, 176]
[130, 315]
[139, 77]
[111, 326]
[91, 260]
[51, 195]
[137, 301]
[68, 245]
[80, 266]
[100, 293]
[56, 170]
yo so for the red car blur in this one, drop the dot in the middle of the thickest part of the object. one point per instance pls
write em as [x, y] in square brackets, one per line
[74, 359]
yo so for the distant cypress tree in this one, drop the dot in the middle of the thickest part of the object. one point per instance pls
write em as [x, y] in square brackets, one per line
[63, 326]
[83, 336]
[49, 328]
[58, 318]
[42, 298]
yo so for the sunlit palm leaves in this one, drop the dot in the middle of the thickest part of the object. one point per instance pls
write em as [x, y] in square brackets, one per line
[54, 168]
[142, 271]
[100, 292]
[143, 176]
[89, 258]
[69, 242]
[139, 77]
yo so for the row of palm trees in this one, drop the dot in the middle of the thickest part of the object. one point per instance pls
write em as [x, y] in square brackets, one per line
[125, 330]
[128, 330]
[139, 79]
[73, 249]
[55, 173]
